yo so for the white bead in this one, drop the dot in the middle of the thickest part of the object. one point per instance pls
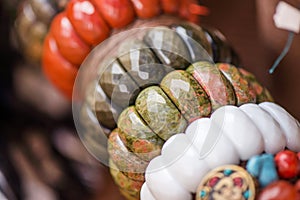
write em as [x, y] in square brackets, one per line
[240, 130]
[163, 185]
[145, 193]
[184, 162]
[274, 139]
[288, 124]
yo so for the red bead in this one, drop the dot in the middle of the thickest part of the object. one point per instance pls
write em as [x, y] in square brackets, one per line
[238, 182]
[287, 164]
[279, 190]
[184, 10]
[69, 43]
[212, 182]
[297, 186]
[170, 6]
[146, 8]
[117, 13]
[87, 22]
[56, 68]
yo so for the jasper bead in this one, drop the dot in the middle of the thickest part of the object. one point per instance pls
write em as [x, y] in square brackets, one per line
[118, 85]
[87, 22]
[137, 136]
[196, 42]
[279, 190]
[261, 93]
[287, 164]
[141, 63]
[168, 47]
[214, 83]
[239, 83]
[128, 187]
[188, 96]
[127, 162]
[159, 112]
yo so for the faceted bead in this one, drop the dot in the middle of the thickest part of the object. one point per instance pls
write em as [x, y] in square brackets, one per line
[106, 113]
[159, 112]
[168, 47]
[262, 94]
[118, 85]
[128, 187]
[137, 136]
[287, 164]
[186, 93]
[141, 63]
[127, 162]
[196, 41]
[279, 190]
[240, 84]
[214, 83]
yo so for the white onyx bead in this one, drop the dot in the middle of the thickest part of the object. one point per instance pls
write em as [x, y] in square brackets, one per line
[240, 130]
[184, 162]
[288, 124]
[274, 139]
[145, 193]
[163, 185]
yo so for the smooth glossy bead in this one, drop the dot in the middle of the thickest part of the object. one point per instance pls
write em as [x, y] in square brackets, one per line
[117, 13]
[87, 22]
[159, 112]
[188, 96]
[70, 45]
[214, 83]
[287, 164]
[56, 66]
[279, 190]
[146, 8]
[168, 47]
[170, 6]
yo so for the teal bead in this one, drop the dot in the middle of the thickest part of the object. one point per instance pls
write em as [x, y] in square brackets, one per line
[254, 165]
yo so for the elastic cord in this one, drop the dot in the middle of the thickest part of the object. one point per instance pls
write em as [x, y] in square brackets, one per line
[284, 52]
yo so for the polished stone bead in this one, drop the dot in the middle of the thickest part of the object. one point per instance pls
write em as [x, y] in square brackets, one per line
[106, 113]
[159, 112]
[126, 161]
[141, 63]
[196, 41]
[240, 84]
[287, 164]
[214, 83]
[168, 47]
[118, 85]
[279, 190]
[262, 93]
[186, 93]
[128, 187]
[137, 136]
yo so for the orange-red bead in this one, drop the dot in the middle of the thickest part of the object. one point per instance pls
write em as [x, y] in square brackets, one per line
[279, 190]
[57, 69]
[117, 13]
[87, 22]
[146, 8]
[69, 43]
[170, 6]
[287, 164]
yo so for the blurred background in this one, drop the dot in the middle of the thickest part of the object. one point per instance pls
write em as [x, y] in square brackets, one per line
[41, 156]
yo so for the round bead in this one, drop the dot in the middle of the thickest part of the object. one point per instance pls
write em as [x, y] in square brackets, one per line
[279, 190]
[287, 164]
[146, 9]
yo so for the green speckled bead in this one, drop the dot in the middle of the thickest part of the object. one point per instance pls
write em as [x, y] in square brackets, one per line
[168, 47]
[196, 41]
[128, 187]
[118, 85]
[262, 93]
[186, 94]
[240, 84]
[127, 162]
[214, 83]
[159, 112]
[137, 136]
[141, 63]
